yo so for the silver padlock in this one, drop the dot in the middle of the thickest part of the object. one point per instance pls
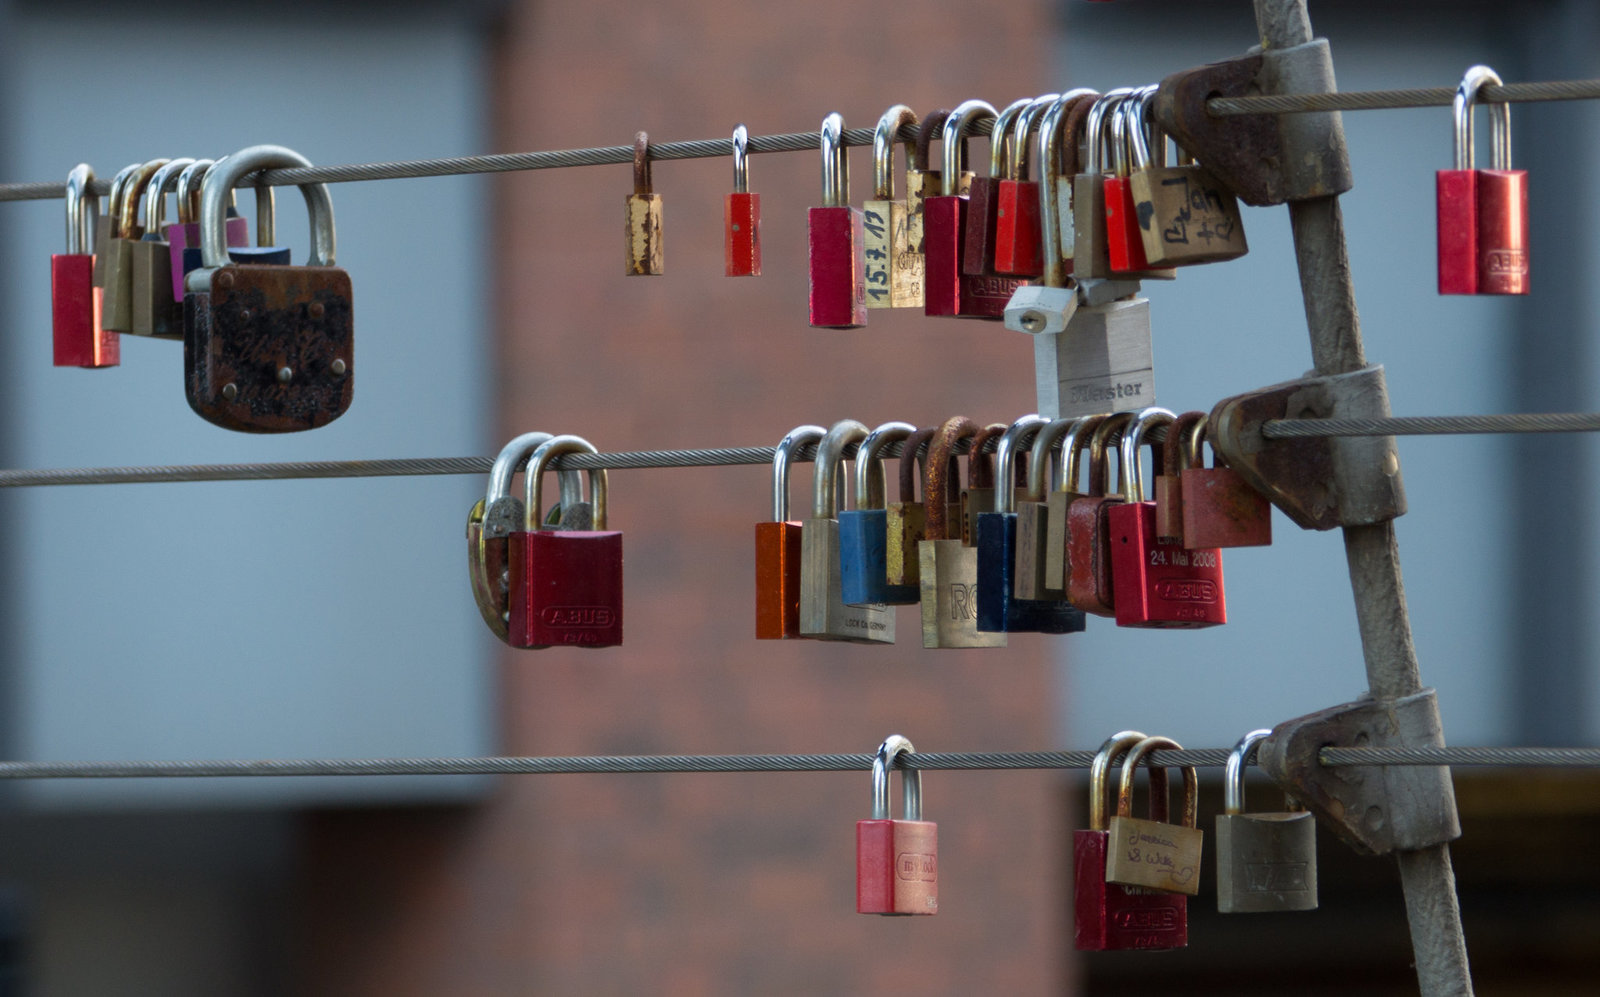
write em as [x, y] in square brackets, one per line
[1266, 861]
[823, 613]
[1103, 362]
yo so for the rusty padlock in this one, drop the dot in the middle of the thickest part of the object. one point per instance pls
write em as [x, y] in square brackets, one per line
[1220, 509]
[643, 227]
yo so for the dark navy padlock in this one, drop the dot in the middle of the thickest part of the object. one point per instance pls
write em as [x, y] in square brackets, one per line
[864, 530]
[999, 610]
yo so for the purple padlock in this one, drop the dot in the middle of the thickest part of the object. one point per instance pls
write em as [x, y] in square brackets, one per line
[185, 234]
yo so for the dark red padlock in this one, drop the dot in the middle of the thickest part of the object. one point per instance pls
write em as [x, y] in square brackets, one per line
[949, 292]
[1483, 214]
[79, 338]
[1018, 248]
[1219, 508]
[835, 237]
[741, 215]
[1129, 151]
[1158, 584]
[1088, 539]
[897, 861]
[983, 196]
[566, 587]
[1106, 916]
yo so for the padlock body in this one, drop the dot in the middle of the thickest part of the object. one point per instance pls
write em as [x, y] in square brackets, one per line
[1185, 216]
[973, 502]
[566, 588]
[999, 610]
[891, 265]
[259, 255]
[1090, 586]
[741, 227]
[1154, 855]
[838, 291]
[155, 311]
[823, 613]
[777, 581]
[949, 597]
[187, 236]
[977, 244]
[1124, 244]
[1218, 509]
[1266, 862]
[1161, 584]
[254, 322]
[947, 290]
[1017, 236]
[1055, 543]
[897, 867]
[1169, 508]
[1089, 255]
[1063, 221]
[644, 253]
[1502, 231]
[863, 561]
[116, 306]
[1108, 917]
[1033, 539]
[906, 525]
[1457, 198]
[1103, 362]
[78, 339]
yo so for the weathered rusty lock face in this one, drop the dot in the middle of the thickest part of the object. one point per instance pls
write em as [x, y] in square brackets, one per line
[116, 310]
[1149, 852]
[1482, 214]
[907, 520]
[983, 197]
[183, 237]
[864, 530]
[645, 257]
[267, 348]
[1109, 917]
[836, 240]
[1018, 235]
[948, 568]
[78, 338]
[892, 267]
[1088, 565]
[1265, 861]
[741, 215]
[778, 547]
[1129, 146]
[155, 311]
[1185, 214]
[1176, 456]
[1220, 509]
[897, 860]
[823, 613]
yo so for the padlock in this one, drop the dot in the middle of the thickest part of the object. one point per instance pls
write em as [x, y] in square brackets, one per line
[823, 614]
[1185, 214]
[116, 310]
[891, 264]
[1483, 214]
[864, 530]
[1158, 584]
[978, 495]
[106, 226]
[1089, 255]
[741, 215]
[1089, 583]
[1169, 483]
[267, 348]
[948, 291]
[497, 515]
[183, 237]
[266, 249]
[1265, 861]
[1033, 514]
[78, 338]
[778, 548]
[1018, 245]
[1046, 308]
[1149, 852]
[1066, 144]
[643, 228]
[999, 548]
[907, 520]
[948, 568]
[983, 197]
[897, 861]
[1124, 244]
[155, 312]
[1079, 434]
[1104, 362]
[836, 240]
[566, 585]
[1219, 508]
[923, 182]
[1109, 917]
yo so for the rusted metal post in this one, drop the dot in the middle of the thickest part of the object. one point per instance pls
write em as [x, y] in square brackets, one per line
[1374, 559]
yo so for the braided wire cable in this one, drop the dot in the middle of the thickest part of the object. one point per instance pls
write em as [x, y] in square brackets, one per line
[1434, 425]
[1371, 100]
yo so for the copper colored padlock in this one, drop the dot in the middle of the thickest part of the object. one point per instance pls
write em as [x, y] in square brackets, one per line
[1220, 509]
[897, 861]
[1088, 565]
[79, 338]
[835, 239]
[741, 215]
[778, 548]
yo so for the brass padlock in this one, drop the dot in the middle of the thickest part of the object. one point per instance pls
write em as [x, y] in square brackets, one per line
[155, 311]
[117, 310]
[893, 265]
[644, 216]
[947, 567]
[1152, 853]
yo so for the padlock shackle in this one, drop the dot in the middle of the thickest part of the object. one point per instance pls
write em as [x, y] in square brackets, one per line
[938, 478]
[1028, 124]
[830, 453]
[218, 185]
[888, 756]
[1051, 166]
[155, 193]
[1130, 765]
[883, 139]
[1019, 434]
[83, 210]
[1113, 748]
[1046, 440]
[1178, 453]
[980, 466]
[133, 197]
[932, 126]
[910, 461]
[1072, 447]
[1139, 137]
[1095, 129]
[533, 481]
[513, 457]
[188, 190]
[968, 115]
[1132, 470]
[1107, 434]
[119, 195]
[835, 163]
[741, 159]
[1193, 441]
[1461, 108]
[1233, 778]
[642, 181]
[871, 486]
[1001, 138]
[797, 437]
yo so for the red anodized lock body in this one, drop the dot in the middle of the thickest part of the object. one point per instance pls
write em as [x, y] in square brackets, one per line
[1018, 237]
[836, 241]
[897, 860]
[1482, 214]
[78, 339]
[983, 196]
[1124, 244]
[741, 216]
[947, 290]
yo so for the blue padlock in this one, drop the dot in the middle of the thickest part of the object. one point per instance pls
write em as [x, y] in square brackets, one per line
[999, 610]
[864, 530]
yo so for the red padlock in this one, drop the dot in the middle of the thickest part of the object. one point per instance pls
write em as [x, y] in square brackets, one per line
[1108, 916]
[741, 215]
[1483, 214]
[1088, 537]
[1130, 150]
[778, 548]
[1219, 508]
[79, 338]
[1158, 584]
[566, 587]
[835, 235]
[1018, 248]
[949, 292]
[983, 197]
[897, 861]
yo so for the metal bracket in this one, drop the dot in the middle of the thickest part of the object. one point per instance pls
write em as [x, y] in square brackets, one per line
[1320, 483]
[1379, 809]
[1264, 158]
